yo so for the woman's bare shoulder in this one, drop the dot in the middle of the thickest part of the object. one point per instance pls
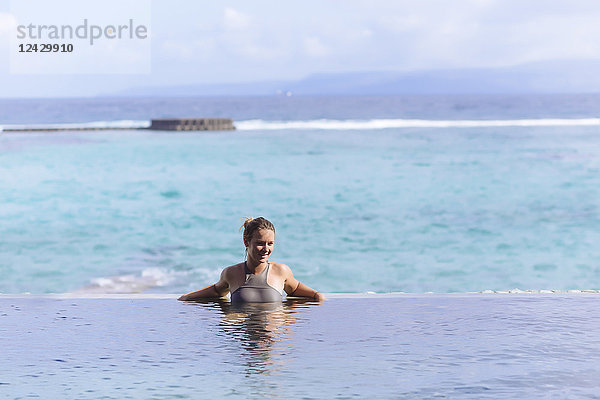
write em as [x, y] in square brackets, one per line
[233, 269]
[281, 268]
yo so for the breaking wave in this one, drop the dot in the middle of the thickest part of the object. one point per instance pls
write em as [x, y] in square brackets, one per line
[331, 124]
[130, 283]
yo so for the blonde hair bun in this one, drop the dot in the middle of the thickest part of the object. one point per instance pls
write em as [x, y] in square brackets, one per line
[253, 224]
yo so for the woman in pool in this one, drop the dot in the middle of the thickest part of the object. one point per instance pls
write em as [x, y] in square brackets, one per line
[256, 280]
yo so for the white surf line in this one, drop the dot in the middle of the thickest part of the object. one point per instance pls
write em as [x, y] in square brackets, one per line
[327, 124]
[323, 124]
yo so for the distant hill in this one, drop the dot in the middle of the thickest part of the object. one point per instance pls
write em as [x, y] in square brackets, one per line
[541, 77]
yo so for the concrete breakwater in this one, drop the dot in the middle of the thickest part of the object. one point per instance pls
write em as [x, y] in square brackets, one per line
[165, 124]
[192, 124]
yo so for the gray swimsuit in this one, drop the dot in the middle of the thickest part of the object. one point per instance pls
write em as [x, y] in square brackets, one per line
[256, 289]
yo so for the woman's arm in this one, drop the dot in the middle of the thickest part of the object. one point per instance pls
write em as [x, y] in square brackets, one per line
[205, 293]
[303, 290]
[217, 290]
[295, 288]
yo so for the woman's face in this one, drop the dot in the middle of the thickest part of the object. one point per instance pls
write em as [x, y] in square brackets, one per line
[261, 245]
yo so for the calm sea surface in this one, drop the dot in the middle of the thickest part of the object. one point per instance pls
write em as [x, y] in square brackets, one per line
[408, 347]
[363, 197]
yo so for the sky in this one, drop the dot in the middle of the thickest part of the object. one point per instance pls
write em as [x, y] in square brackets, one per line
[198, 42]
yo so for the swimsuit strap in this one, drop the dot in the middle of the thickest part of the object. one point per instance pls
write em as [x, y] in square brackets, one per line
[249, 274]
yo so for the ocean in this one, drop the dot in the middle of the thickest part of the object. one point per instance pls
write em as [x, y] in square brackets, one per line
[413, 194]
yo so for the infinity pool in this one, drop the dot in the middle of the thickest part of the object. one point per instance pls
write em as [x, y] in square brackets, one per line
[469, 346]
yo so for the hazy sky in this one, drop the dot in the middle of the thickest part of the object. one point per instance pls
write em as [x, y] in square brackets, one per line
[238, 41]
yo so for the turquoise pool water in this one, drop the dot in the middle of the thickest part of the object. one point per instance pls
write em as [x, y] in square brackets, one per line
[392, 347]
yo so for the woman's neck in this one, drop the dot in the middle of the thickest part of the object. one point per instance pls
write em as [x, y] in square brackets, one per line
[256, 267]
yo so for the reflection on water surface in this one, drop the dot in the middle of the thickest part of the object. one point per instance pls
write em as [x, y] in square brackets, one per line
[264, 331]
[412, 346]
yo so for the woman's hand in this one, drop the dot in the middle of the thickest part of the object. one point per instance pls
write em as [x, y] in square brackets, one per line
[320, 297]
